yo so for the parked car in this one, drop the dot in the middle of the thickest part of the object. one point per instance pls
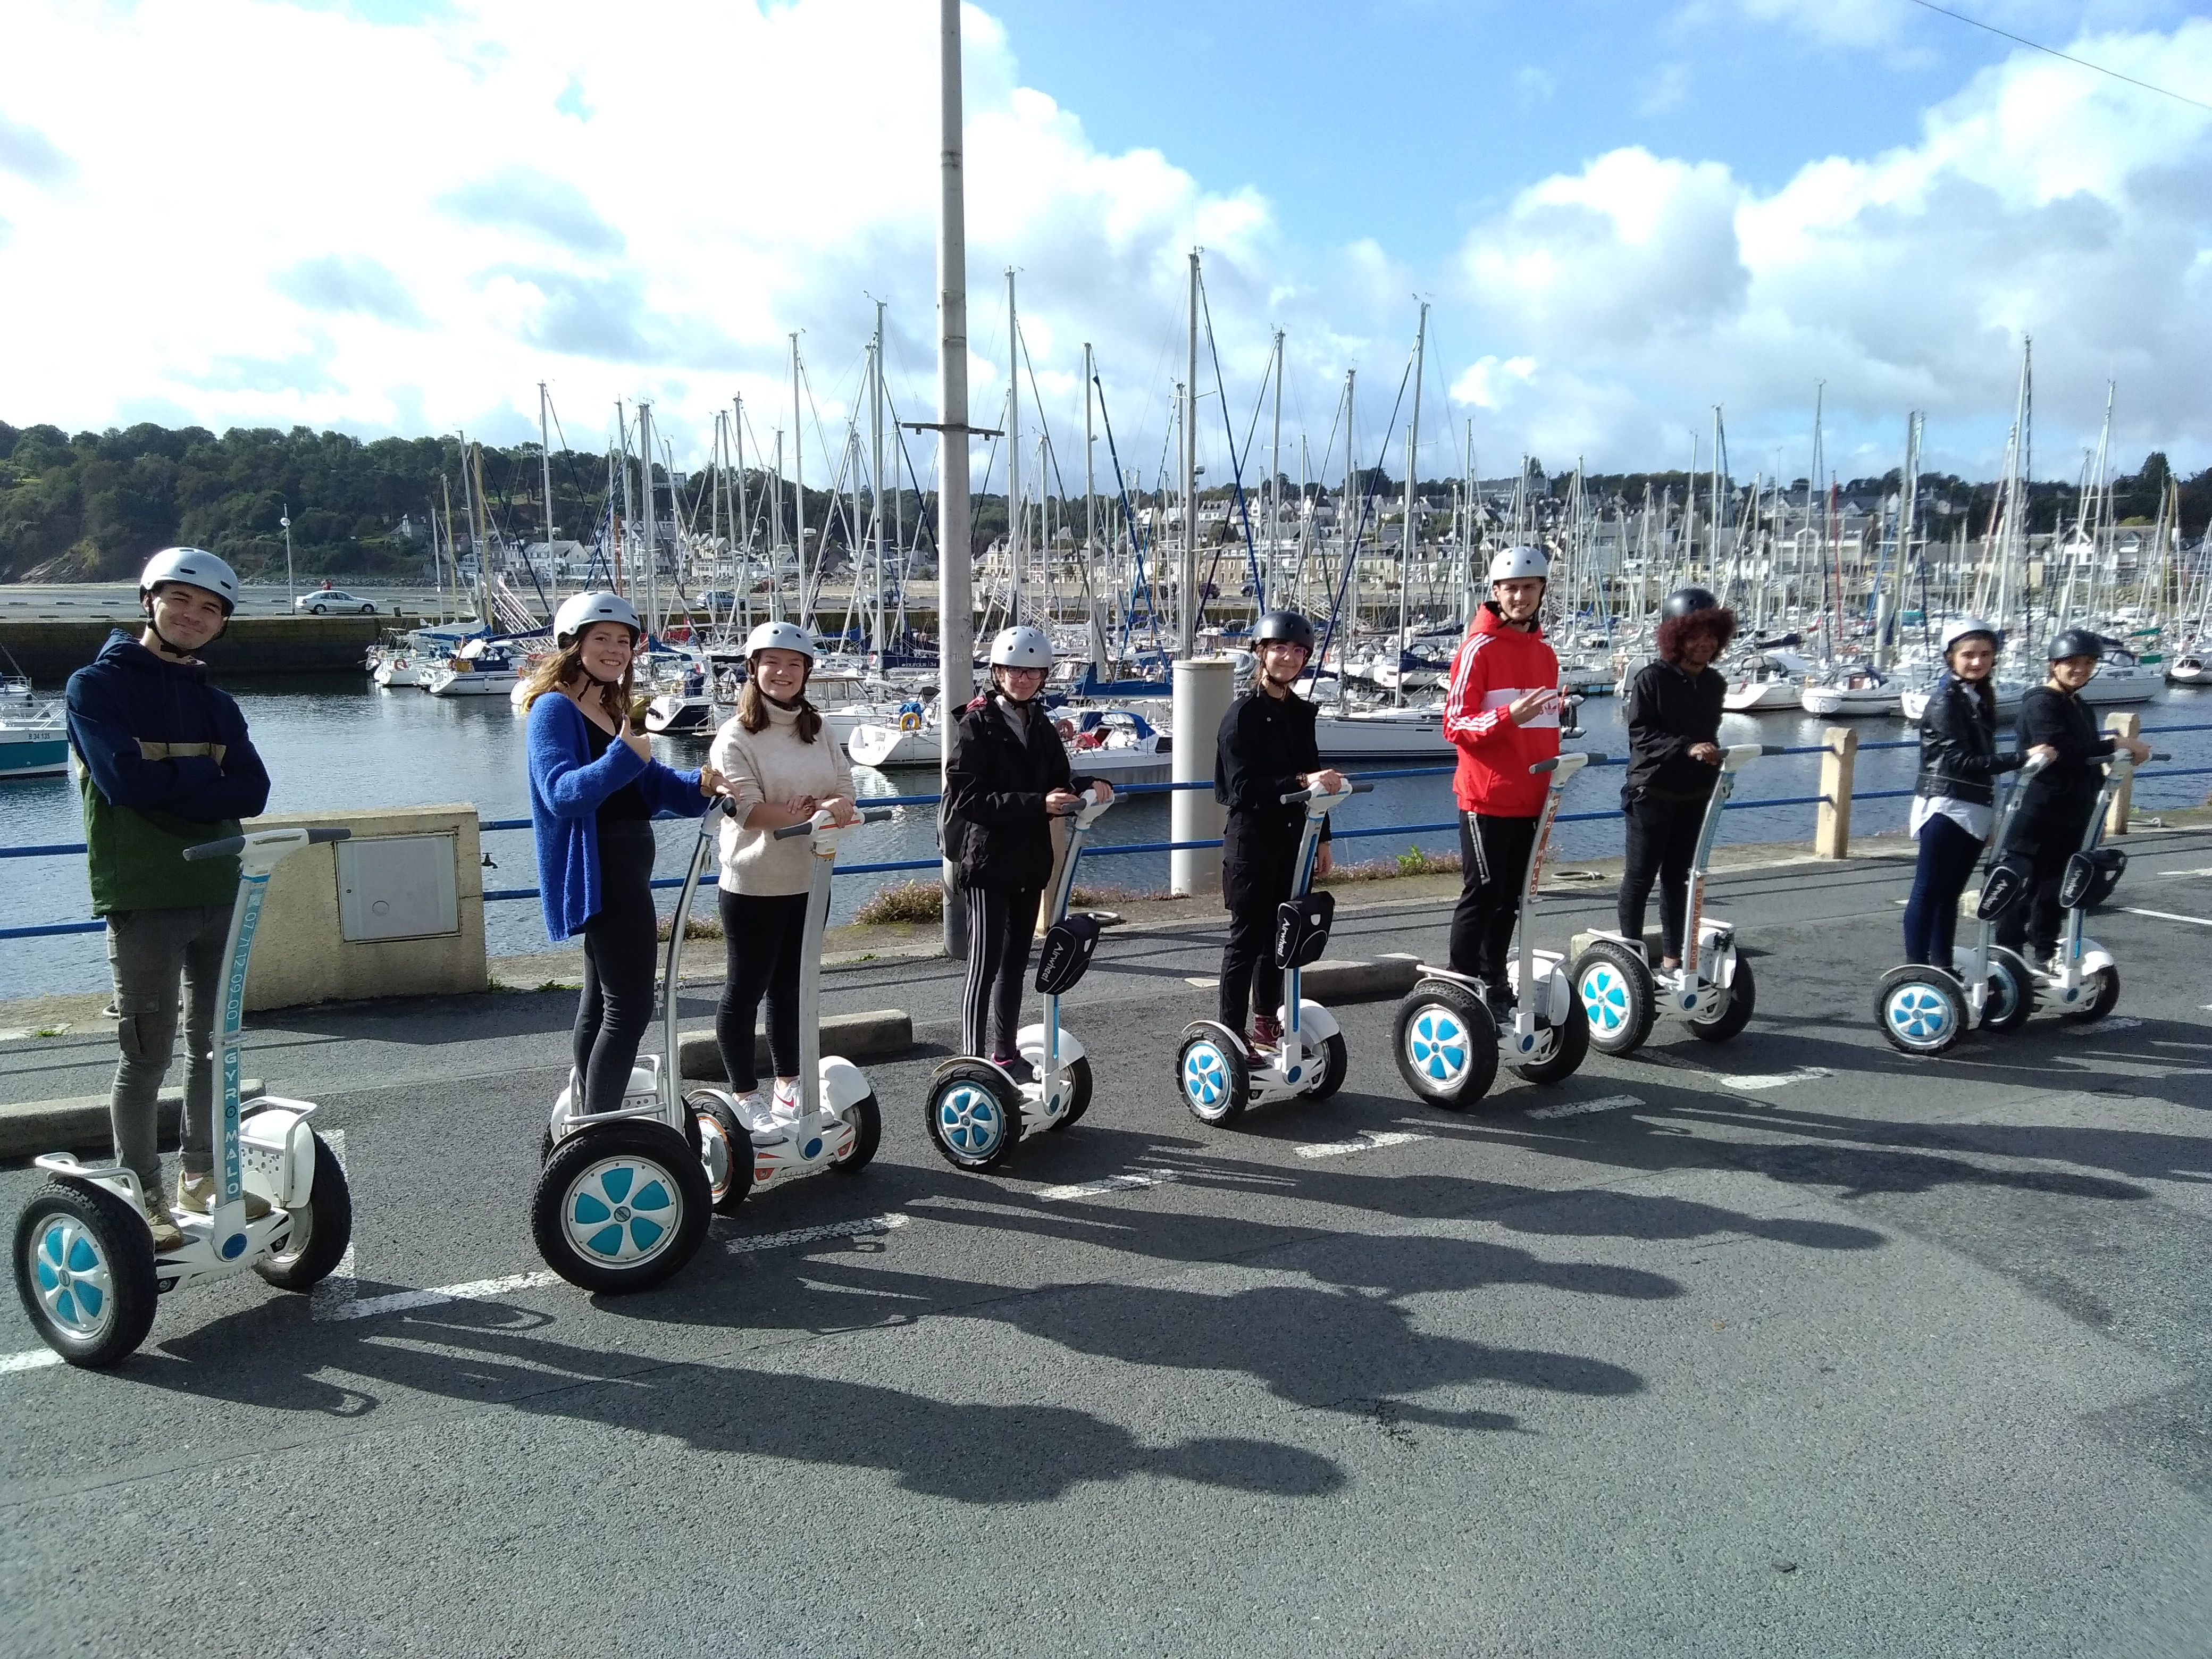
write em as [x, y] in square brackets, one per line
[718, 600]
[325, 599]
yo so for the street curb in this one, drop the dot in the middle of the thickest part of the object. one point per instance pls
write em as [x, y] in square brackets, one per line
[1360, 981]
[876, 1034]
[80, 1124]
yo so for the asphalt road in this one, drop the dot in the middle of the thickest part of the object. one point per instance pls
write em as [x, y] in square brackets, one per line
[1788, 1345]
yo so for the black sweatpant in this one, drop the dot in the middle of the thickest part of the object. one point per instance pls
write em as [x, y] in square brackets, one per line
[1493, 863]
[619, 946]
[1663, 840]
[1258, 863]
[764, 949]
[1000, 928]
[1945, 865]
[2056, 835]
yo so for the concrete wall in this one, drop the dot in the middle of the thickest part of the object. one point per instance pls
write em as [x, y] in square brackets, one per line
[301, 954]
[50, 651]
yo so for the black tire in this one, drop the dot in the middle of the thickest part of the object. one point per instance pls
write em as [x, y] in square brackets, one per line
[545, 1145]
[2011, 991]
[725, 1150]
[1569, 1047]
[1736, 1013]
[1920, 1010]
[1336, 1060]
[867, 1135]
[973, 1117]
[2102, 1002]
[1078, 1095]
[1212, 1077]
[317, 609]
[1446, 1045]
[1618, 999]
[321, 1229]
[73, 1237]
[368, 611]
[587, 1184]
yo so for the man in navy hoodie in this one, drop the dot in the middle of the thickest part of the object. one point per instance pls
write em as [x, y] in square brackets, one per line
[164, 763]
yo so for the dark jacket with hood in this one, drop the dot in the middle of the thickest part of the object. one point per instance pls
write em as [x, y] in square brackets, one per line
[164, 763]
[1959, 753]
[2066, 790]
[997, 774]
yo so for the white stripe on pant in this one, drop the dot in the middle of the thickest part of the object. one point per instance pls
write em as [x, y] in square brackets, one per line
[999, 929]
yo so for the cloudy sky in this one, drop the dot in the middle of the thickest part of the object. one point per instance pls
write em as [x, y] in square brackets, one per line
[399, 216]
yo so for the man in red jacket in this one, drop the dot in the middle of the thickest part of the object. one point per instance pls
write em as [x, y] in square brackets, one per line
[1502, 714]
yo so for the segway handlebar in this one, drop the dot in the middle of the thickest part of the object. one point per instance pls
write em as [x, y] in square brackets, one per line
[1351, 788]
[820, 820]
[1588, 755]
[232, 845]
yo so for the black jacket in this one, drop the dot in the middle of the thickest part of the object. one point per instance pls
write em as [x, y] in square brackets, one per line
[2067, 786]
[996, 778]
[1959, 753]
[1265, 746]
[1668, 712]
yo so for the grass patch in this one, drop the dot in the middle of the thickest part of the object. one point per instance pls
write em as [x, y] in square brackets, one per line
[1410, 862]
[905, 902]
[1102, 898]
[694, 927]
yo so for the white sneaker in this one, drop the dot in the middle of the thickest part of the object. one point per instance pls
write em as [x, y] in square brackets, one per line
[752, 1110]
[787, 1105]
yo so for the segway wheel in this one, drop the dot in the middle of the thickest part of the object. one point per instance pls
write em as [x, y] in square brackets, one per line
[1734, 1014]
[1335, 1061]
[620, 1208]
[1570, 1042]
[2104, 997]
[84, 1267]
[2011, 991]
[1615, 990]
[725, 1150]
[868, 1121]
[1212, 1075]
[321, 1228]
[1920, 1010]
[971, 1120]
[1447, 1045]
[1078, 1095]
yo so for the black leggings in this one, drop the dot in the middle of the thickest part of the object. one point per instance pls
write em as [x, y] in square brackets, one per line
[619, 946]
[1250, 978]
[1663, 840]
[1493, 863]
[1931, 914]
[1000, 926]
[2034, 923]
[764, 941]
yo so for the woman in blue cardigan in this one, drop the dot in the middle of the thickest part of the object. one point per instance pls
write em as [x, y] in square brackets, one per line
[594, 786]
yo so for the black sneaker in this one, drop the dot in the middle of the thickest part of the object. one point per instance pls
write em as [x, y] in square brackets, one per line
[1501, 1002]
[1016, 1069]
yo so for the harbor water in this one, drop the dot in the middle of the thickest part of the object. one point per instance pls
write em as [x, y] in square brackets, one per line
[338, 744]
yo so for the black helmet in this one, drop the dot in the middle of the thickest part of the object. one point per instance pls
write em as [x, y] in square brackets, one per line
[1287, 626]
[2074, 643]
[1684, 600]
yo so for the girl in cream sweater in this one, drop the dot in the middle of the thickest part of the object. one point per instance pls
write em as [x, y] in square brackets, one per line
[781, 768]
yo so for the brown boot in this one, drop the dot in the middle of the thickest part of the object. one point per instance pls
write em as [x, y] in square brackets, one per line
[196, 1193]
[167, 1235]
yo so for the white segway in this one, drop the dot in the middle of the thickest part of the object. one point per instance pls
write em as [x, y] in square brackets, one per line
[1218, 1070]
[976, 1109]
[2084, 981]
[1448, 1043]
[1712, 992]
[839, 1126]
[85, 1261]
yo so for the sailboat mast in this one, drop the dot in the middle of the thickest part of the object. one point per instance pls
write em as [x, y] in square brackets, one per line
[1405, 539]
[1014, 524]
[798, 494]
[545, 481]
[1187, 633]
[652, 514]
[876, 471]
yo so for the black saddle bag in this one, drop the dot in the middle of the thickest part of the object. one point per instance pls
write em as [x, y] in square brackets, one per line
[1066, 953]
[2090, 877]
[2003, 886]
[1301, 929]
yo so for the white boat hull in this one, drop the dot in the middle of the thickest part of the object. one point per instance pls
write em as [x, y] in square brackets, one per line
[474, 683]
[1753, 695]
[1416, 733]
[34, 748]
[878, 745]
[2121, 683]
[1839, 700]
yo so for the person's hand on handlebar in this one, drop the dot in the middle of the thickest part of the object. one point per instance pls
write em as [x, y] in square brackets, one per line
[1101, 792]
[2043, 754]
[2138, 750]
[840, 809]
[1529, 704]
[712, 783]
[1326, 781]
[1061, 801]
[1707, 752]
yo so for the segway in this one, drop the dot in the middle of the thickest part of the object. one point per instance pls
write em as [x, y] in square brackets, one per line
[839, 1125]
[1712, 992]
[1447, 1040]
[85, 1261]
[1923, 1010]
[1219, 1072]
[976, 1109]
[623, 1196]
[2084, 984]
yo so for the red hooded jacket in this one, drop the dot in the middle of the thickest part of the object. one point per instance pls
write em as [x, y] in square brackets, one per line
[1497, 664]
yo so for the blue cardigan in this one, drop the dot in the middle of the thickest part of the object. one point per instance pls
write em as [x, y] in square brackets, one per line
[565, 788]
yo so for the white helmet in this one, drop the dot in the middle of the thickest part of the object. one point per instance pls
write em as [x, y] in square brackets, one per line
[1021, 648]
[579, 612]
[780, 636]
[1512, 563]
[195, 565]
[1967, 628]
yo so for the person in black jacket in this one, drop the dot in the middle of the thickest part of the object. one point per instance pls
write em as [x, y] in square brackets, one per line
[2055, 814]
[1265, 750]
[1673, 720]
[1006, 774]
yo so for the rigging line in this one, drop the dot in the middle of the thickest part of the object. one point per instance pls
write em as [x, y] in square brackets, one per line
[1236, 467]
[1140, 582]
[1359, 526]
[2067, 57]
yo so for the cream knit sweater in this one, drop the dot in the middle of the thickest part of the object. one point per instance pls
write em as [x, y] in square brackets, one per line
[772, 764]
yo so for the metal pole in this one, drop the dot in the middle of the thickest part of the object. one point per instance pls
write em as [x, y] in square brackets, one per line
[545, 481]
[876, 434]
[644, 481]
[1014, 524]
[798, 494]
[955, 645]
[1275, 490]
[744, 563]
[1187, 636]
[1412, 458]
[291, 592]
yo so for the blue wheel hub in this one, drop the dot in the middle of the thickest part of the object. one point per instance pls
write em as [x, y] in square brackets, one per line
[621, 1210]
[970, 1120]
[1919, 1013]
[1439, 1045]
[1605, 998]
[70, 1276]
[1204, 1075]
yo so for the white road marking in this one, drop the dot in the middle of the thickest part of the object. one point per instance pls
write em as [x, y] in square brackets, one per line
[1366, 1141]
[477, 1289]
[1758, 1081]
[2176, 875]
[1579, 1107]
[29, 1359]
[2167, 916]
[1120, 1183]
[867, 1224]
[2109, 1023]
[1204, 983]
